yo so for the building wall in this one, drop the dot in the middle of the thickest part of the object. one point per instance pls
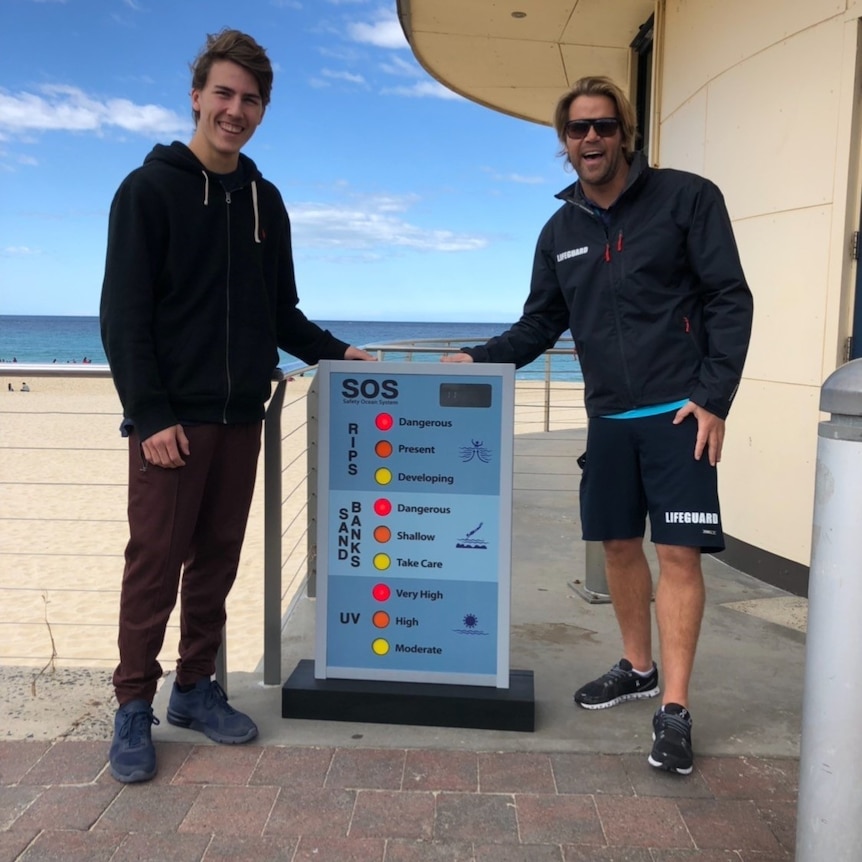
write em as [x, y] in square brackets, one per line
[762, 97]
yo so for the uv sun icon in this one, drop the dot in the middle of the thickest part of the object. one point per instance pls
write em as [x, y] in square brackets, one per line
[471, 621]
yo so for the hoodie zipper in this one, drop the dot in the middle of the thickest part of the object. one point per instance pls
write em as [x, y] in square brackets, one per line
[227, 313]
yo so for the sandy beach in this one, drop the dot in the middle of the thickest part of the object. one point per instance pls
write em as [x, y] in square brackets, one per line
[63, 532]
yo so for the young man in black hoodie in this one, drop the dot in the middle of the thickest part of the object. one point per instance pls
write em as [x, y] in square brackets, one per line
[641, 265]
[198, 295]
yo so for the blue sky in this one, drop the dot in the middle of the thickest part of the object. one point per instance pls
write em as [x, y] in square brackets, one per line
[407, 202]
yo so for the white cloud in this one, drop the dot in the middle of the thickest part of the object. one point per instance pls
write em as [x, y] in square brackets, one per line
[349, 77]
[383, 32]
[422, 90]
[19, 251]
[520, 178]
[402, 68]
[70, 109]
[514, 178]
[371, 227]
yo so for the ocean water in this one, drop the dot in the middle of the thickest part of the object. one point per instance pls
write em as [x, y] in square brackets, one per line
[45, 339]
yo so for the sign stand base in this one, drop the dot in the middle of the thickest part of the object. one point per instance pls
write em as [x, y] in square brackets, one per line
[419, 703]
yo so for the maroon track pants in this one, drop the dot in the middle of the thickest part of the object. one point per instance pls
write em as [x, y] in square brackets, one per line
[191, 518]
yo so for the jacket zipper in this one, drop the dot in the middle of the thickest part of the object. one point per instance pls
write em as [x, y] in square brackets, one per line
[617, 317]
[227, 314]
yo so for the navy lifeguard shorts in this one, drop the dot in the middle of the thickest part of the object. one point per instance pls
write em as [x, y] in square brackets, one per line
[646, 465]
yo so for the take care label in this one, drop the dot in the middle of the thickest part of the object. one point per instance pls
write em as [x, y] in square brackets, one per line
[414, 488]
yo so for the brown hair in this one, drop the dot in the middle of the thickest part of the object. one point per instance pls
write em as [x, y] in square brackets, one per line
[239, 48]
[598, 85]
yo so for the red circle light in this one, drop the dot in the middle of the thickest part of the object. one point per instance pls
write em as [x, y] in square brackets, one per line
[382, 507]
[384, 421]
[381, 592]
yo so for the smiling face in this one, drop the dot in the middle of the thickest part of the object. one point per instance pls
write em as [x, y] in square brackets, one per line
[230, 109]
[599, 162]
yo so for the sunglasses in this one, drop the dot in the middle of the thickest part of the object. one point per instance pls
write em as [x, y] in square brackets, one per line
[606, 127]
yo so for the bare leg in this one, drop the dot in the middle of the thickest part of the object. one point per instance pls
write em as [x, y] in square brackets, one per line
[679, 602]
[630, 586]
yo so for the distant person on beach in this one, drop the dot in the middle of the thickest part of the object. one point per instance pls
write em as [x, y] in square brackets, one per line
[642, 266]
[198, 296]
[25, 387]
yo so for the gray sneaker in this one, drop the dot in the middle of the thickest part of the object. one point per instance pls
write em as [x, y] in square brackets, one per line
[618, 685]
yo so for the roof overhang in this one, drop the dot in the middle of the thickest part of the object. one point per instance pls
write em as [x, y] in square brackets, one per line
[520, 56]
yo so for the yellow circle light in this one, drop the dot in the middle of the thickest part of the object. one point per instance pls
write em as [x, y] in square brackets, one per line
[380, 646]
[382, 561]
[383, 476]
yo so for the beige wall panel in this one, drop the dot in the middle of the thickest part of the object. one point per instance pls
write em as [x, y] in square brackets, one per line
[580, 61]
[598, 22]
[473, 61]
[766, 476]
[704, 38]
[682, 140]
[757, 148]
[786, 260]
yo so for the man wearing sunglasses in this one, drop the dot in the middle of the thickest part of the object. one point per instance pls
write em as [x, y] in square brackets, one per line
[642, 266]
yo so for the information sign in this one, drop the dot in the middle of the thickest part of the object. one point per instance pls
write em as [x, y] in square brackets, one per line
[414, 522]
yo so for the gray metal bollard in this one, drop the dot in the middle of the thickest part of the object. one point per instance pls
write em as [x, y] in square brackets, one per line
[594, 587]
[829, 812]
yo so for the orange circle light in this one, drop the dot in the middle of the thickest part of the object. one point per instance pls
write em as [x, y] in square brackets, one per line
[382, 534]
[383, 448]
[380, 619]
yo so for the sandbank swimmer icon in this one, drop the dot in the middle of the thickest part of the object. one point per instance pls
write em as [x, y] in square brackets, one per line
[473, 542]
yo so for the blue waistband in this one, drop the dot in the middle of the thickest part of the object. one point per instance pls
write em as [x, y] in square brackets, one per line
[652, 410]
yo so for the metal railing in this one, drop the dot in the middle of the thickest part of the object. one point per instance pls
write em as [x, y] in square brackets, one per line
[284, 508]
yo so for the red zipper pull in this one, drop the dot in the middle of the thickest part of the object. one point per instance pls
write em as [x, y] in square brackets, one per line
[620, 242]
[687, 324]
[607, 252]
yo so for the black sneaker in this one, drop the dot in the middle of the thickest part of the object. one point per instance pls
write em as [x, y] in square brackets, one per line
[132, 754]
[618, 685]
[671, 749]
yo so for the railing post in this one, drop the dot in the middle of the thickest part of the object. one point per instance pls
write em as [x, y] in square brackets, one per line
[547, 391]
[829, 813]
[272, 537]
[311, 405]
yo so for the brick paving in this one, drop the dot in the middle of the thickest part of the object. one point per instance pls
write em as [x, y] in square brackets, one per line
[331, 804]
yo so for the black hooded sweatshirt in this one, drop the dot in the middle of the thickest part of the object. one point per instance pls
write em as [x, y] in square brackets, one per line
[199, 292]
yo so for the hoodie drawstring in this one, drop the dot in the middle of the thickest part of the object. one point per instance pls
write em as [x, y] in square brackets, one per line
[253, 203]
[256, 215]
